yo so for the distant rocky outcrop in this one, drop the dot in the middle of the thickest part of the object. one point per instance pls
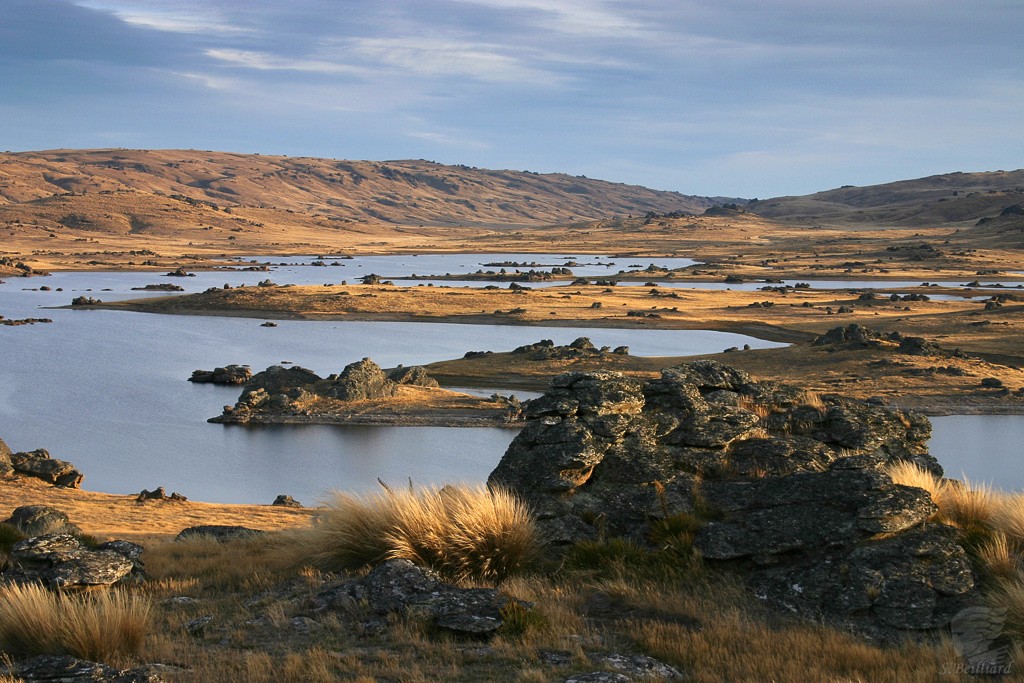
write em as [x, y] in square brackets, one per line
[229, 374]
[784, 486]
[162, 287]
[281, 390]
[855, 336]
[582, 347]
[159, 494]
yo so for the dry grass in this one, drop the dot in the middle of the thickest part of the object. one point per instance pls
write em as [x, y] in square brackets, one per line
[734, 647]
[95, 626]
[462, 532]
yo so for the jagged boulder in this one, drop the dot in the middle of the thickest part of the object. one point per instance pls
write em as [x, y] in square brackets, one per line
[39, 464]
[36, 520]
[60, 561]
[795, 482]
[359, 381]
[68, 669]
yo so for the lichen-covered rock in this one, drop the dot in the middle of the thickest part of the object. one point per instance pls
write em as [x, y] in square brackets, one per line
[796, 482]
[60, 561]
[39, 464]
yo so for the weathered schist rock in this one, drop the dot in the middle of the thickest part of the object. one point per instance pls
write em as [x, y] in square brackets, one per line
[39, 464]
[280, 390]
[229, 374]
[788, 487]
[61, 561]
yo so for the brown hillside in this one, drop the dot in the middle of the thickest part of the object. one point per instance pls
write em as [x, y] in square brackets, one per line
[130, 191]
[959, 199]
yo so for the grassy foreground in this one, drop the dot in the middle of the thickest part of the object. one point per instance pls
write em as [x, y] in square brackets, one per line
[245, 610]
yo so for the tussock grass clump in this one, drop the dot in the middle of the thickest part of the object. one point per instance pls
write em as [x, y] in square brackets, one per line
[94, 626]
[462, 532]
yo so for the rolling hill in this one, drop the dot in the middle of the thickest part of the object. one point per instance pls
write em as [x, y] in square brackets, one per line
[130, 191]
[960, 199]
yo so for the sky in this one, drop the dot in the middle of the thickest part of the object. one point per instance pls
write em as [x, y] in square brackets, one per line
[739, 98]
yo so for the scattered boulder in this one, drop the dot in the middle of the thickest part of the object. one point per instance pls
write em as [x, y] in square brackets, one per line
[229, 374]
[400, 585]
[61, 561]
[85, 301]
[286, 501]
[159, 494]
[218, 532]
[856, 336]
[991, 383]
[39, 464]
[37, 520]
[785, 487]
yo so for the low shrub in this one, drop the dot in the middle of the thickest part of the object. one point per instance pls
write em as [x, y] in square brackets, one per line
[461, 532]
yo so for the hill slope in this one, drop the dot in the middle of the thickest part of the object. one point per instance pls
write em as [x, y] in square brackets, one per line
[950, 199]
[130, 191]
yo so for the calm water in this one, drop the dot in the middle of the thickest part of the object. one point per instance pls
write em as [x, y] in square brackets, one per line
[106, 390]
[984, 448]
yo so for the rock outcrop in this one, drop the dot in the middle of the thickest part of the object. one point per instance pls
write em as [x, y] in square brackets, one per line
[855, 336]
[281, 390]
[39, 464]
[229, 374]
[61, 561]
[582, 347]
[786, 487]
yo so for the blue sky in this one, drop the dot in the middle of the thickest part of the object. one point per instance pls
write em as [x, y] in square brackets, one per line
[750, 98]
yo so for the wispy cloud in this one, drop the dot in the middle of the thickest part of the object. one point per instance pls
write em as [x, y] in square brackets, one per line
[192, 18]
[577, 17]
[451, 58]
[264, 61]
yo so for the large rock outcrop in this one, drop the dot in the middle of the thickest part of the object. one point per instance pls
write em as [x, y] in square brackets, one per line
[61, 561]
[788, 487]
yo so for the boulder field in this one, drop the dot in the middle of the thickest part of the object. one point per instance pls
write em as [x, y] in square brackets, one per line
[785, 487]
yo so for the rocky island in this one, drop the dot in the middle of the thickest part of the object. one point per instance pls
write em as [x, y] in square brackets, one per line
[362, 393]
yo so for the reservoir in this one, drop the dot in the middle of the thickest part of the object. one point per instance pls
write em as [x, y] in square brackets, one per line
[106, 390]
